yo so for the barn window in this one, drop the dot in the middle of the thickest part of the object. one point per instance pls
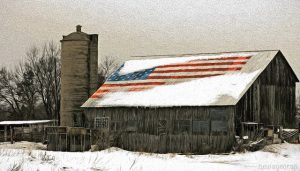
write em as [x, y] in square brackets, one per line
[219, 114]
[102, 122]
[78, 120]
[219, 119]
[200, 127]
[182, 126]
[162, 127]
[115, 125]
[218, 127]
[132, 125]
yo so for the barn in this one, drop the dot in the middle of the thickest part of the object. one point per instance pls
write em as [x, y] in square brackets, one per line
[194, 103]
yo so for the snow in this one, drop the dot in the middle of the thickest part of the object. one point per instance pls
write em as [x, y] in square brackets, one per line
[289, 130]
[205, 91]
[250, 123]
[274, 157]
[138, 65]
[23, 122]
[23, 145]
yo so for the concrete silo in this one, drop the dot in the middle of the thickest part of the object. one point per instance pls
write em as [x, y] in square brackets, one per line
[79, 59]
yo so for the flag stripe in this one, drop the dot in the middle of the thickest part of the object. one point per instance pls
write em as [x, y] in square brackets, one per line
[224, 58]
[201, 64]
[96, 96]
[133, 84]
[139, 88]
[126, 87]
[209, 61]
[188, 73]
[102, 91]
[198, 70]
[131, 81]
[182, 76]
[197, 67]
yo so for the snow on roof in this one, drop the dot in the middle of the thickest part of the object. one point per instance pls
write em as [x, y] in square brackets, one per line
[28, 122]
[193, 80]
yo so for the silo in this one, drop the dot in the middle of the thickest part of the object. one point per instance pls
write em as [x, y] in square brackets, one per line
[79, 60]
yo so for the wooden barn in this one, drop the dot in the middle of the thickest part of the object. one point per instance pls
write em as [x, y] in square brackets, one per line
[194, 103]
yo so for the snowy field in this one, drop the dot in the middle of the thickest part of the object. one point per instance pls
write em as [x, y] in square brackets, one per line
[32, 156]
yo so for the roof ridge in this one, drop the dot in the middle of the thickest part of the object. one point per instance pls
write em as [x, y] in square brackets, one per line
[190, 54]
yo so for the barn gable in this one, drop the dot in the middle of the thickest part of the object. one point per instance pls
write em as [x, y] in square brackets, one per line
[183, 80]
[271, 97]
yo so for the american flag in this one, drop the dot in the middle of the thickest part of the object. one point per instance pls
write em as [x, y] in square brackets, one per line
[170, 74]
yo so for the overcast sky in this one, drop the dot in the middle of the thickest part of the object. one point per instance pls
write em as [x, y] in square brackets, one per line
[135, 27]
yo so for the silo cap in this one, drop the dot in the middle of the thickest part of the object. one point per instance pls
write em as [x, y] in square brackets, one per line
[78, 28]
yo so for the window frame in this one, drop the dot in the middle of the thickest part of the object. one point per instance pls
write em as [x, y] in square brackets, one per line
[215, 131]
[101, 120]
[116, 126]
[178, 127]
[132, 128]
[201, 132]
[220, 115]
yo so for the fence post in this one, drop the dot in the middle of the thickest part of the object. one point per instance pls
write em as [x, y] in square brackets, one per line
[5, 133]
[299, 132]
[11, 135]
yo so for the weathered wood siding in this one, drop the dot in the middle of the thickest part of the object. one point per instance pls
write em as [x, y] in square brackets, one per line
[147, 136]
[271, 99]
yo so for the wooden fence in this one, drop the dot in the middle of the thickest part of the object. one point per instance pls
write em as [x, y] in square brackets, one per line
[61, 138]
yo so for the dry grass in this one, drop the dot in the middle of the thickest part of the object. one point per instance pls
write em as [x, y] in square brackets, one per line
[16, 166]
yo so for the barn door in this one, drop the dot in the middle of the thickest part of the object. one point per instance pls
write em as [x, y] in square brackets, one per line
[219, 121]
[162, 135]
[100, 135]
[218, 129]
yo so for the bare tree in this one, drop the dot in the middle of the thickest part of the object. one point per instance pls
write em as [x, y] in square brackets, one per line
[17, 92]
[107, 66]
[298, 101]
[297, 95]
[26, 90]
[32, 83]
[46, 68]
[8, 94]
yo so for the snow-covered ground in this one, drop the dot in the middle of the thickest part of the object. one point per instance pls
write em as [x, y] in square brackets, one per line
[32, 156]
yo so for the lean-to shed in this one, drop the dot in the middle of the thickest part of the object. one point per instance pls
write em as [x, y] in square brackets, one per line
[192, 103]
[28, 130]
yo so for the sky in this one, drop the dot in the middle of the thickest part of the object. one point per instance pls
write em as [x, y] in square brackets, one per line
[136, 27]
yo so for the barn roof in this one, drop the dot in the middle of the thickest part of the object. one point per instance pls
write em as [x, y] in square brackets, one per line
[182, 80]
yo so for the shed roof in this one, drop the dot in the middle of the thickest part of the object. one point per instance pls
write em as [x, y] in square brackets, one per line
[27, 122]
[182, 80]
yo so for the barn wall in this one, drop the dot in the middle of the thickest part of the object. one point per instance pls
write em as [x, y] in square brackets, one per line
[271, 99]
[150, 136]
